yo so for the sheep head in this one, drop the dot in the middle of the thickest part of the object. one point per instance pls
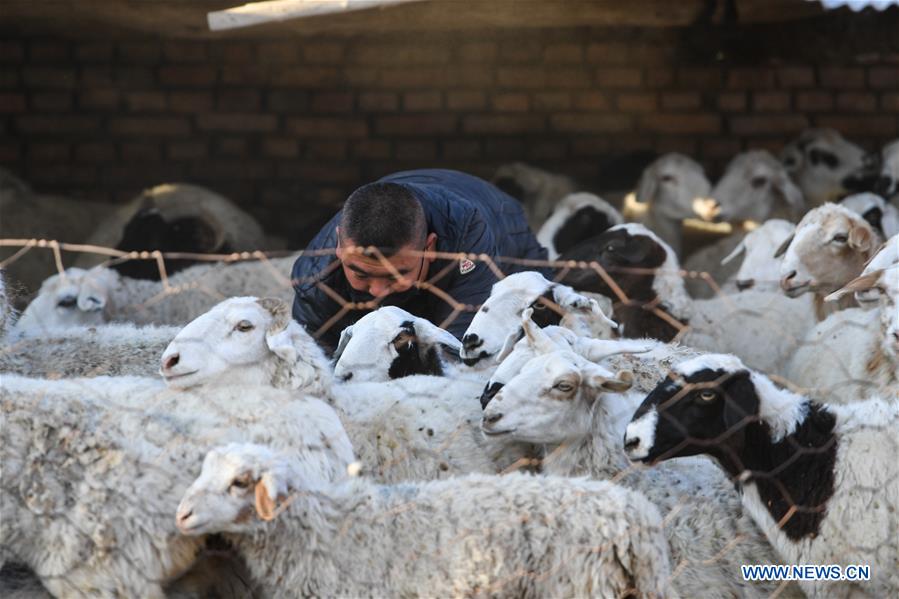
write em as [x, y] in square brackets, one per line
[759, 266]
[672, 185]
[755, 186]
[74, 297]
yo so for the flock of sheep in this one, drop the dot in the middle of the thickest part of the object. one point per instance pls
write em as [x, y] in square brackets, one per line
[185, 437]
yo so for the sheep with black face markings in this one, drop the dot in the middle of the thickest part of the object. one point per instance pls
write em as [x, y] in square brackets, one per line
[888, 183]
[821, 481]
[880, 214]
[576, 217]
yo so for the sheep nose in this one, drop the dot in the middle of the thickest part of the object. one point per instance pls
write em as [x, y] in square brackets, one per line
[785, 280]
[471, 341]
[744, 284]
[493, 418]
[631, 443]
[182, 516]
[171, 361]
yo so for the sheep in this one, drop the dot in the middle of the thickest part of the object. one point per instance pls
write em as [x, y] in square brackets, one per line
[821, 481]
[826, 166]
[575, 218]
[881, 215]
[759, 269]
[562, 537]
[568, 405]
[91, 468]
[552, 303]
[672, 186]
[536, 189]
[829, 248]
[112, 349]
[78, 297]
[7, 312]
[656, 304]
[412, 428]
[888, 183]
[390, 343]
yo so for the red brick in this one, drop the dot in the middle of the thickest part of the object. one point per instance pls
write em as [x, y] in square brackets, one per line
[618, 77]
[315, 77]
[99, 98]
[523, 50]
[721, 148]
[562, 77]
[323, 52]
[880, 126]
[563, 52]
[681, 123]
[237, 121]
[589, 123]
[732, 101]
[244, 75]
[230, 170]
[771, 102]
[647, 53]
[48, 152]
[478, 51]
[424, 124]
[511, 102]
[190, 101]
[184, 51]
[332, 102]
[10, 152]
[319, 172]
[754, 79]
[527, 77]
[461, 150]
[398, 54]
[502, 124]
[842, 77]
[49, 77]
[232, 146]
[57, 124]
[93, 52]
[757, 125]
[139, 52]
[52, 101]
[239, 100]
[378, 101]
[699, 77]
[95, 152]
[326, 150]
[551, 101]
[856, 102]
[372, 149]
[681, 100]
[659, 77]
[546, 150]
[328, 127]
[145, 101]
[9, 78]
[47, 51]
[814, 101]
[466, 100]
[119, 77]
[280, 147]
[607, 52]
[288, 101]
[504, 148]
[881, 77]
[795, 77]
[360, 76]
[682, 145]
[141, 151]
[890, 102]
[425, 100]
[234, 52]
[187, 150]
[11, 51]
[12, 103]
[591, 101]
[637, 102]
[188, 76]
[152, 126]
[286, 52]
[416, 151]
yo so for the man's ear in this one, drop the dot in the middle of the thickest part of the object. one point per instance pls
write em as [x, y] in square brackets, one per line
[430, 246]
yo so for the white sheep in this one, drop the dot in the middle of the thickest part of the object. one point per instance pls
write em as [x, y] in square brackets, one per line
[888, 183]
[829, 248]
[879, 213]
[470, 536]
[102, 295]
[576, 217]
[671, 186]
[566, 404]
[821, 481]
[7, 312]
[92, 468]
[537, 190]
[824, 165]
[497, 323]
[759, 268]
[412, 428]
[111, 349]
[390, 343]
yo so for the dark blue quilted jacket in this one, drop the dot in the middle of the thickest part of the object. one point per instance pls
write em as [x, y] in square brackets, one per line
[467, 214]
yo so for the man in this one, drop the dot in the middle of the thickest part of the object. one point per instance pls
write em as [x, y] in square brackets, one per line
[404, 215]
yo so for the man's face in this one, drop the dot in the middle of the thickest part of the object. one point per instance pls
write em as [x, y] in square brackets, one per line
[371, 275]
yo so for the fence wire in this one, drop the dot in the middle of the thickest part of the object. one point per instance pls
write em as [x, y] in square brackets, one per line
[92, 473]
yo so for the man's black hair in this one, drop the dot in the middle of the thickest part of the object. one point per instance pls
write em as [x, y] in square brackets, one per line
[384, 215]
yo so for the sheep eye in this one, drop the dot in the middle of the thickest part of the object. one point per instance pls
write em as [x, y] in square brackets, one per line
[244, 325]
[840, 238]
[758, 182]
[242, 482]
[668, 179]
[564, 386]
[707, 395]
[68, 301]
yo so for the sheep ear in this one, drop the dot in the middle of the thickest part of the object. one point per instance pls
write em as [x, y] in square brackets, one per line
[281, 344]
[537, 337]
[741, 247]
[268, 491]
[599, 378]
[345, 336]
[279, 310]
[784, 246]
[599, 349]
[646, 188]
[862, 283]
[509, 345]
[434, 335]
[791, 194]
[571, 300]
[860, 237]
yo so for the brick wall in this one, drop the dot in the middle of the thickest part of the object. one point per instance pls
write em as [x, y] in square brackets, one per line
[290, 126]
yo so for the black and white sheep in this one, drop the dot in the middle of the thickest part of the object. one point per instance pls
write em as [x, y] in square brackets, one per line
[576, 217]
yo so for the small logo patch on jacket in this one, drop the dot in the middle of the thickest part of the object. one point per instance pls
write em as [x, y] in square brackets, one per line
[466, 266]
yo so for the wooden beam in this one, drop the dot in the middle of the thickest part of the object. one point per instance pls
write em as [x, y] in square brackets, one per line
[258, 13]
